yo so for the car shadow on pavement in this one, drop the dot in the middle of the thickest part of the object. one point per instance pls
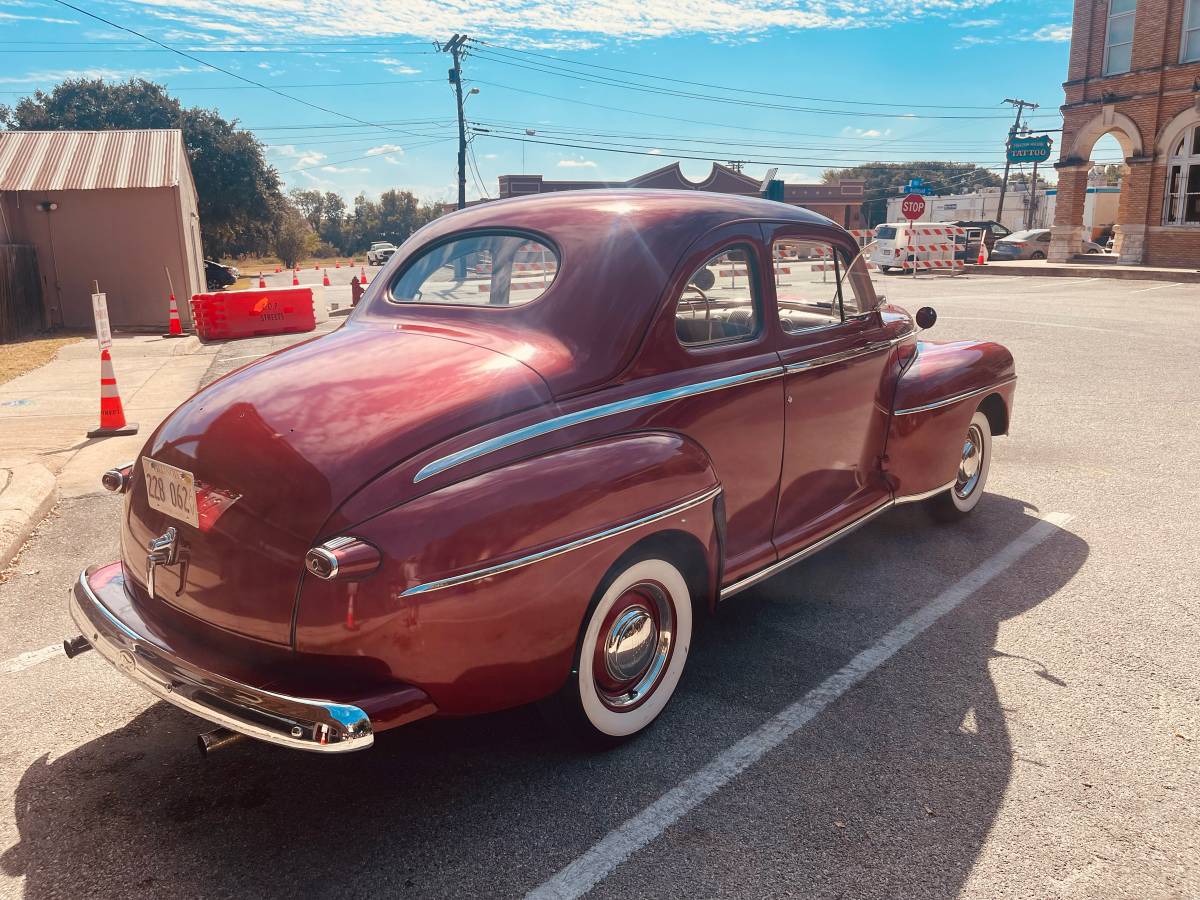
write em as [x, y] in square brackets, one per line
[891, 791]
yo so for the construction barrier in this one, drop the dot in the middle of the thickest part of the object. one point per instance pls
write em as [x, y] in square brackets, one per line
[933, 249]
[222, 315]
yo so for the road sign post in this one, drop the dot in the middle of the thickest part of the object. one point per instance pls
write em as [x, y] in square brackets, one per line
[912, 208]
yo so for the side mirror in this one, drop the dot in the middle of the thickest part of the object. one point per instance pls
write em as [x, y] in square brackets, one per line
[926, 316]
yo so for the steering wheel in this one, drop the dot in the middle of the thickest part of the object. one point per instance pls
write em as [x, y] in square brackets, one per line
[707, 305]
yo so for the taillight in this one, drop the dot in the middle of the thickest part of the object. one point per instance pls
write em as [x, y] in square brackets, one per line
[342, 558]
[1020, 245]
[118, 479]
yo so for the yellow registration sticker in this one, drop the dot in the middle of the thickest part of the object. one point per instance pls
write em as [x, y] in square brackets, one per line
[170, 490]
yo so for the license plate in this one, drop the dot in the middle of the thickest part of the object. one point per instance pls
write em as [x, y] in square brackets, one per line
[171, 491]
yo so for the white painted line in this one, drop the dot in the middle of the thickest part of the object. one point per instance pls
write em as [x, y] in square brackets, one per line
[1076, 282]
[31, 659]
[580, 876]
[1157, 287]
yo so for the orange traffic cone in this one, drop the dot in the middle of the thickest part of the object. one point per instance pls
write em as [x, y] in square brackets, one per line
[337, 263]
[278, 270]
[262, 282]
[316, 267]
[362, 278]
[983, 254]
[325, 280]
[296, 279]
[112, 414]
[175, 327]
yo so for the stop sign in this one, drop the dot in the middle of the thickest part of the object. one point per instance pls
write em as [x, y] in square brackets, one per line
[913, 207]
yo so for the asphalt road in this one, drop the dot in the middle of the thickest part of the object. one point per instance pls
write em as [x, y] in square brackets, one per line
[959, 717]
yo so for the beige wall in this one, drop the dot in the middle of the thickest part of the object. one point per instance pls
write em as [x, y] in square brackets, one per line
[121, 238]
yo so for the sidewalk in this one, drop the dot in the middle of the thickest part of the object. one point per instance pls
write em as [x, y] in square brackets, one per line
[1087, 270]
[45, 414]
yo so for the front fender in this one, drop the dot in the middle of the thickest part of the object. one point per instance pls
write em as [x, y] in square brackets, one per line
[476, 642]
[936, 396]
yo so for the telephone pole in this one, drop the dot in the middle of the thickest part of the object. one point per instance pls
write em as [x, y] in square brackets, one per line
[454, 47]
[1021, 106]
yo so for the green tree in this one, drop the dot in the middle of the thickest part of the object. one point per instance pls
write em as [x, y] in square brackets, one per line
[239, 195]
[294, 238]
[885, 180]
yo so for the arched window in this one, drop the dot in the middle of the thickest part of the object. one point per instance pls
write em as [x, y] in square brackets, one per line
[1183, 180]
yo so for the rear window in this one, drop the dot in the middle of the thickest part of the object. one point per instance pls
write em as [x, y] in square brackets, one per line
[885, 233]
[478, 270]
[1021, 236]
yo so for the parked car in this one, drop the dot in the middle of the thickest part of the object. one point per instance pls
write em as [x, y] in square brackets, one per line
[990, 230]
[218, 276]
[380, 252]
[1091, 247]
[526, 484]
[1032, 244]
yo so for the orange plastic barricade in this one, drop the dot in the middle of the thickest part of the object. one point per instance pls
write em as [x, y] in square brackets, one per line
[222, 315]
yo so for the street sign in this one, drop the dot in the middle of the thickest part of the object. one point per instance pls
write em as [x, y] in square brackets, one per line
[912, 207]
[100, 313]
[917, 186]
[1029, 149]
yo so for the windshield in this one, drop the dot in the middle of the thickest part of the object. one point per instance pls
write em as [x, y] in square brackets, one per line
[479, 270]
[885, 233]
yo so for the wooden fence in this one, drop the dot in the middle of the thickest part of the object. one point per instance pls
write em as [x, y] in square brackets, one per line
[20, 292]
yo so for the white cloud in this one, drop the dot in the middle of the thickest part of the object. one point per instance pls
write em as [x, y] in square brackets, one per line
[394, 160]
[562, 24]
[976, 23]
[491, 155]
[102, 72]
[655, 151]
[800, 178]
[342, 170]
[851, 131]
[385, 148]
[577, 164]
[303, 158]
[397, 67]
[13, 17]
[1053, 33]
[1056, 34]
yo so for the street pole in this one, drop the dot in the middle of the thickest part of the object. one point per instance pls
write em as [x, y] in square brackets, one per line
[1021, 106]
[1032, 198]
[454, 47]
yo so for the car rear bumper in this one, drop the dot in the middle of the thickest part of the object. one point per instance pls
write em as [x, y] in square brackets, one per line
[303, 724]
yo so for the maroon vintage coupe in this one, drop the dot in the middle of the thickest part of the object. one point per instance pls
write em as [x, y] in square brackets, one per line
[556, 431]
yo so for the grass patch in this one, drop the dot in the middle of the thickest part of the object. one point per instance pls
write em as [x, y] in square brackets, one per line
[27, 354]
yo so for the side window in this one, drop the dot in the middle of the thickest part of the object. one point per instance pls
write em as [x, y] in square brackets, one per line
[720, 301]
[807, 289]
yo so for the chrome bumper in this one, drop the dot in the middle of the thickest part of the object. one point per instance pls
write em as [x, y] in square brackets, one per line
[317, 725]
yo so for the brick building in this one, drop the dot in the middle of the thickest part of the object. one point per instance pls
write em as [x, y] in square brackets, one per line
[841, 201]
[1135, 74]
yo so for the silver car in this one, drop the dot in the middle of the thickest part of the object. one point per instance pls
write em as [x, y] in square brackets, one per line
[1033, 244]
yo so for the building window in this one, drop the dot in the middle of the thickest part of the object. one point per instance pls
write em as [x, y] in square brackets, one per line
[1118, 41]
[1183, 181]
[1191, 33]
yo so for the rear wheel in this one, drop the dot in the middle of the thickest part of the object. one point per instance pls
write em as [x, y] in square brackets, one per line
[632, 653]
[964, 495]
[1037, 254]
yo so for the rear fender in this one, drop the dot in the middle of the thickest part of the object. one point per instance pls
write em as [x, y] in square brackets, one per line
[936, 396]
[478, 642]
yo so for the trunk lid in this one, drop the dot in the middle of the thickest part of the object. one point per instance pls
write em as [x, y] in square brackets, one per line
[277, 447]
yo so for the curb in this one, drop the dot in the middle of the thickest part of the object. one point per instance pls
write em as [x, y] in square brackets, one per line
[1085, 271]
[27, 493]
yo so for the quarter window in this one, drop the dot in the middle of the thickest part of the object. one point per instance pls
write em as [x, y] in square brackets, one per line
[720, 301]
[1118, 41]
[479, 270]
[814, 285]
[1183, 181]
[1191, 33]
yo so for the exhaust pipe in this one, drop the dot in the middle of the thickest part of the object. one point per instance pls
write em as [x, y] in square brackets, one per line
[76, 645]
[217, 739]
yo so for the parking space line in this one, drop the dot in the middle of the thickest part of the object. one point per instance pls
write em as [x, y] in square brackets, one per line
[584, 873]
[1158, 287]
[30, 659]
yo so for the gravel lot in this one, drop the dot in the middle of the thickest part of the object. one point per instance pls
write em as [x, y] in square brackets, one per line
[1038, 739]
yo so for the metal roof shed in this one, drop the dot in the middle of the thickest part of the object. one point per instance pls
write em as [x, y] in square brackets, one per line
[109, 206]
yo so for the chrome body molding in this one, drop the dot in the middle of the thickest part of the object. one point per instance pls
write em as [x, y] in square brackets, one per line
[588, 415]
[587, 540]
[966, 395]
[846, 355]
[804, 552]
[318, 725]
[925, 495]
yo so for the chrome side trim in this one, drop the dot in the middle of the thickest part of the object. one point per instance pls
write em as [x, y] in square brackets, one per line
[845, 355]
[303, 724]
[804, 552]
[925, 495]
[501, 568]
[938, 404]
[587, 415]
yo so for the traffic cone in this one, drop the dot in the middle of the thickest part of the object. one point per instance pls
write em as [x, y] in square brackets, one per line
[362, 277]
[112, 414]
[296, 278]
[316, 267]
[175, 327]
[278, 270]
[337, 263]
[325, 280]
[262, 282]
[983, 254]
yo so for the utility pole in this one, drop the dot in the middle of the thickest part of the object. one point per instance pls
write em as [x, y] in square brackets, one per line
[1021, 106]
[454, 47]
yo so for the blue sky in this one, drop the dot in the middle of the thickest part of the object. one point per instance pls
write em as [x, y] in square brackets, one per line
[808, 84]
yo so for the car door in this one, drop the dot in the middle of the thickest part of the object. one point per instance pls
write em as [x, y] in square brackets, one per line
[837, 353]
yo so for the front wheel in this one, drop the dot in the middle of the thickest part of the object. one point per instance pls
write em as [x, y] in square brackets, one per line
[632, 653]
[1037, 254]
[964, 495]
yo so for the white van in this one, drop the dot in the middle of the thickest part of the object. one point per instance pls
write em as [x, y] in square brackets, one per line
[893, 239]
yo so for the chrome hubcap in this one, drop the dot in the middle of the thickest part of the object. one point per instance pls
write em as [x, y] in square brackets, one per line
[970, 464]
[633, 647]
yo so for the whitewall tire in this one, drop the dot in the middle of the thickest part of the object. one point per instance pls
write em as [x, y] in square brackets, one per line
[976, 460]
[632, 653]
